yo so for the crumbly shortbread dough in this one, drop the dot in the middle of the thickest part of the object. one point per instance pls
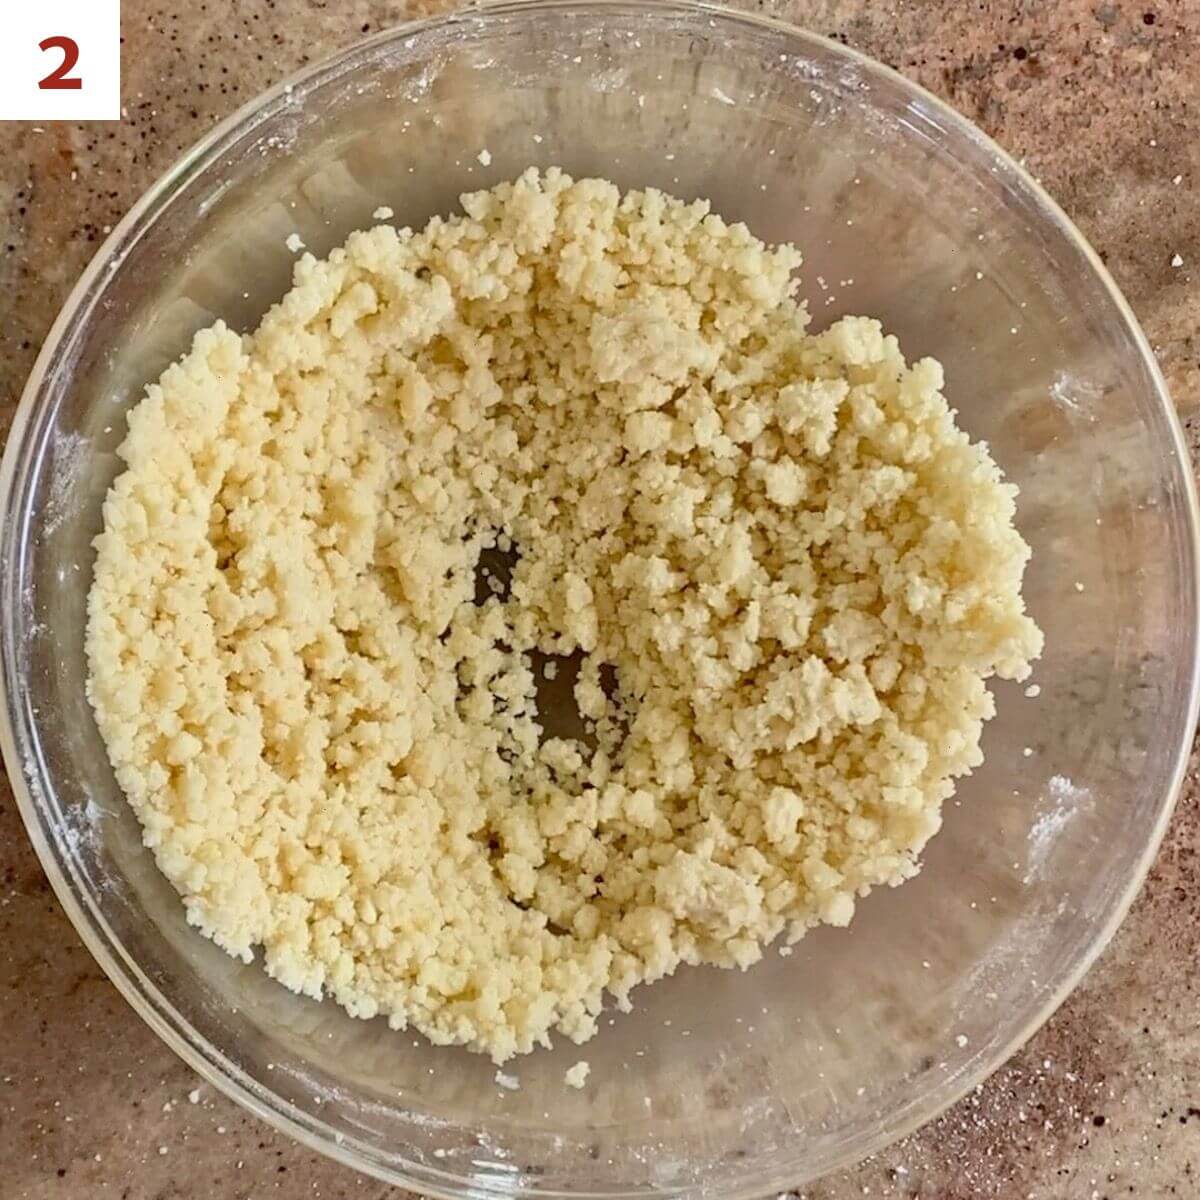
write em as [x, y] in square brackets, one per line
[787, 571]
[576, 1076]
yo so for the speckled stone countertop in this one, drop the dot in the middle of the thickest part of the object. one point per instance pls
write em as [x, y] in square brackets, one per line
[1102, 102]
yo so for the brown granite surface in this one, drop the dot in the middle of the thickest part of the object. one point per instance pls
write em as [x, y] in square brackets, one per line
[1102, 101]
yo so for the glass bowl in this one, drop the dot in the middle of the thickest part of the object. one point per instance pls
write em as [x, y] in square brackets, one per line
[719, 1083]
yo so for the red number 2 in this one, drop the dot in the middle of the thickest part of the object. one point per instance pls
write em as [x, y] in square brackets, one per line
[60, 78]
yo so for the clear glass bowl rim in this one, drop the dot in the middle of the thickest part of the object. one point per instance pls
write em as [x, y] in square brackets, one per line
[31, 427]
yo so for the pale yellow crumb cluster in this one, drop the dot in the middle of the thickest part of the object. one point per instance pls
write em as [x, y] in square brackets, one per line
[783, 570]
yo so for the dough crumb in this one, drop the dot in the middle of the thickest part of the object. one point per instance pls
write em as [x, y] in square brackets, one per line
[577, 1075]
[776, 575]
[383, 213]
[294, 243]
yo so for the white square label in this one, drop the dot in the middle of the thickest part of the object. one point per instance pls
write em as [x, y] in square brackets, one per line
[60, 60]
